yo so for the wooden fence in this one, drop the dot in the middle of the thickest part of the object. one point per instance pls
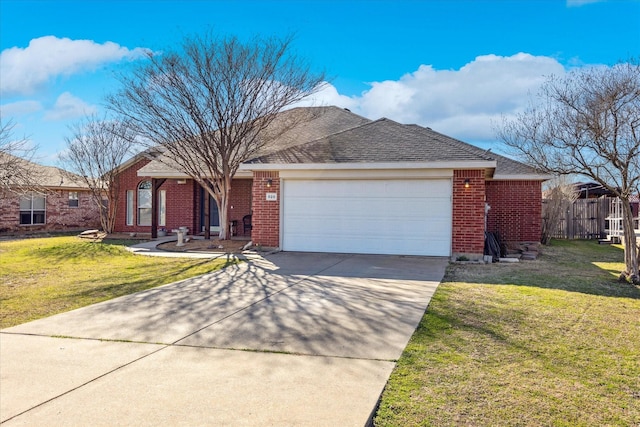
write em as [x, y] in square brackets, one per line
[584, 219]
[592, 219]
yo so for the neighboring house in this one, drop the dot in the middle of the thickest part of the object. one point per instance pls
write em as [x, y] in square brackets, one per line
[591, 190]
[338, 182]
[54, 202]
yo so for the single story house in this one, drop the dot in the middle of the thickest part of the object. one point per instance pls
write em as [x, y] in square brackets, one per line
[338, 182]
[55, 201]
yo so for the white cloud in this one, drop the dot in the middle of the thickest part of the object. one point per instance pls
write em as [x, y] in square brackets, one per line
[20, 108]
[24, 70]
[462, 103]
[68, 106]
[327, 95]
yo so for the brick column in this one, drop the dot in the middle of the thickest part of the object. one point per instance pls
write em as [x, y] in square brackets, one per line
[266, 213]
[468, 213]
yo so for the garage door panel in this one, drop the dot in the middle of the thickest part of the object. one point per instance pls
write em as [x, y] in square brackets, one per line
[411, 217]
[369, 245]
[403, 207]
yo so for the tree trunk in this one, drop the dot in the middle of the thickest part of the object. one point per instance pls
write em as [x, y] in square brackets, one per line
[96, 196]
[112, 210]
[207, 214]
[630, 243]
[223, 203]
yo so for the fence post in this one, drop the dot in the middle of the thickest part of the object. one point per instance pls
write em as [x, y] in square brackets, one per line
[570, 224]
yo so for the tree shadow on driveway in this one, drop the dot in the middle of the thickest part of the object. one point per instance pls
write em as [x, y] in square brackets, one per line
[319, 304]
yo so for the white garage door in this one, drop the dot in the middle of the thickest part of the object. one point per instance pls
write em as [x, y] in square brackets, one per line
[402, 217]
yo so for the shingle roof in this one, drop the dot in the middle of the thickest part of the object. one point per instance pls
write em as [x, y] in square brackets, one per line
[387, 141]
[375, 142]
[291, 127]
[505, 166]
[48, 176]
[304, 124]
[334, 135]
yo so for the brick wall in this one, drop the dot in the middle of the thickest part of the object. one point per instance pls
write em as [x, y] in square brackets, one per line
[59, 216]
[266, 214]
[516, 210]
[181, 202]
[468, 213]
[180, 205]
[240, 203]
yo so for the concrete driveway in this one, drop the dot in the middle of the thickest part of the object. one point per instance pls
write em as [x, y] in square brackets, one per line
[291, 339]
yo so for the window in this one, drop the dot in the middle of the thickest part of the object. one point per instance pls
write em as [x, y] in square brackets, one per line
[130, 207]
[73, 199]
[144, 203]
[162, 211]
[32, 209]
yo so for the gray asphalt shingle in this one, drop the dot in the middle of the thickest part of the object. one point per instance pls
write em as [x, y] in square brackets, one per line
[335, 135]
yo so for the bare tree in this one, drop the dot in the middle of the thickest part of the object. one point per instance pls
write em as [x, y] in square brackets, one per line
[207, 106]
[588, 123]
[94, 151]
[560, 196]
[16, 170]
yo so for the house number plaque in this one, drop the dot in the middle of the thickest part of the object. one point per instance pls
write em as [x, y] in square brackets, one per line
[272, 197]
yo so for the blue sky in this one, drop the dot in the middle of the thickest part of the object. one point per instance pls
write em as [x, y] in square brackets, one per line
[456, 66]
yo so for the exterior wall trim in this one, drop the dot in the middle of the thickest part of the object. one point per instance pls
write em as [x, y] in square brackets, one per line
[367, 174]
[489, 164]
[533, 177]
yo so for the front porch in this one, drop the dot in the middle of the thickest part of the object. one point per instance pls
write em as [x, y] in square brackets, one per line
[183, 203]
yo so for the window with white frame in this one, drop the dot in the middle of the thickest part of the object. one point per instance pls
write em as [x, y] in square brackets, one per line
[130, 196]
[73, 199]
[32, 209]
[144, 203]
[162, 211]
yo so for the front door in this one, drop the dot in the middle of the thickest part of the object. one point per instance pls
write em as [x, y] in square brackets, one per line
[214, 218]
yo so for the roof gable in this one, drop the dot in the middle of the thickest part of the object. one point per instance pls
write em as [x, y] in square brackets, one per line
[379, 141]
[333, 135]
[291, 127]
[386, 141]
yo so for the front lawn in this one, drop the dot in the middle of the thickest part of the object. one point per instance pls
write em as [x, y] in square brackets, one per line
[44, 276]
[552, 342]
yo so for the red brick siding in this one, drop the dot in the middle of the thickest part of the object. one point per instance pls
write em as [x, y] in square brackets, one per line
[181, 200]
[468, 212]
[180, 205]
[516, 210]
[240, 203]
[266, 214]
[59, 215]
[129, 180]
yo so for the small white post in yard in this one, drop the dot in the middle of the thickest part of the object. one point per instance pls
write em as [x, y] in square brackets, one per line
[180, 234]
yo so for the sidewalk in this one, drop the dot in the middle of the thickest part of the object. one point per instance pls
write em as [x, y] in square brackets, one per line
[150, 248]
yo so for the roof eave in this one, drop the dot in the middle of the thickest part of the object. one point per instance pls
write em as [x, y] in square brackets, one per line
[472, 164]
[161, 174]
[521, 177]
[181, 175]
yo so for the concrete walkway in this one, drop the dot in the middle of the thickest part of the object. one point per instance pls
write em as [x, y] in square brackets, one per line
[149, 248]
[289, 339]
